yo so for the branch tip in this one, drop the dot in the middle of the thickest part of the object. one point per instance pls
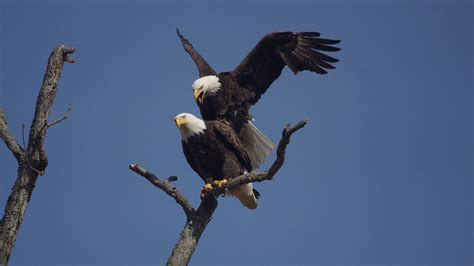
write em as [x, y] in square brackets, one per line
[137, 168]
[67, 51]
[171, 191]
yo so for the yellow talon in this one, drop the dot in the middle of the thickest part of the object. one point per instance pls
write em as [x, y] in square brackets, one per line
[220, 183]
[207, 186]
[223, 182]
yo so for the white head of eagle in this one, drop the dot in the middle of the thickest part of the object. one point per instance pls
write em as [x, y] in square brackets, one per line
[189, 125]
[205, 86]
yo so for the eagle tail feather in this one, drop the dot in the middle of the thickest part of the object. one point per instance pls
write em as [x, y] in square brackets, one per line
[257, 145]
[246, 195]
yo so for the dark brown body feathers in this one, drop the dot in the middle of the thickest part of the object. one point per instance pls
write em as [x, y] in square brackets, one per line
[216, 153]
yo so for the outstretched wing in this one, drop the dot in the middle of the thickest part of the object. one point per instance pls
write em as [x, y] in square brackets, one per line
[232, 142]
[203, 67]
[298, 50]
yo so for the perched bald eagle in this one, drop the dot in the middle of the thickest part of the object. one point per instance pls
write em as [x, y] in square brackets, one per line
[228, 96]
[215, 153]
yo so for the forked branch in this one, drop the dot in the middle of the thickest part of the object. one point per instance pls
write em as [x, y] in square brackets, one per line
[32, 160]
[197, 220]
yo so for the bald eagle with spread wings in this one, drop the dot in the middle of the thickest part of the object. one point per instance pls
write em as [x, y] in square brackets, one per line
[228, 96]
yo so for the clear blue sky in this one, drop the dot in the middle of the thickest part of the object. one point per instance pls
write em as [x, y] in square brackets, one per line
[382, 173]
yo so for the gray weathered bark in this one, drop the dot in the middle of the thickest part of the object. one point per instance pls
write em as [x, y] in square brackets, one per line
[191, 233]
[32, 161]
[197, 220]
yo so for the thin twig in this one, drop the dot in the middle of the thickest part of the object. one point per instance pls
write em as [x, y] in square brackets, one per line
[8, 138]
[23, 135]
[58, 120]
[166, 187]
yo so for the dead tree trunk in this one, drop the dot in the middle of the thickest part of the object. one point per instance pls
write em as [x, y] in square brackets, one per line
[197, 220]
[33, 160]
[192, 231]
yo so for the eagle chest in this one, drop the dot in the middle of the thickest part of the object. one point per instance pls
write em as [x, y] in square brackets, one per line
[208, 155]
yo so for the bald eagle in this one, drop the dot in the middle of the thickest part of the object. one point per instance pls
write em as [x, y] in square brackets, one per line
[228, 96]
[215, 153]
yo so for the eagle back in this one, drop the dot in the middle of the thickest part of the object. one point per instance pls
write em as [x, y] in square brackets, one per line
[233, 102]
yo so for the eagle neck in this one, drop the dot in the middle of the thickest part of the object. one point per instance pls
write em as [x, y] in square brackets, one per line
[189, 130]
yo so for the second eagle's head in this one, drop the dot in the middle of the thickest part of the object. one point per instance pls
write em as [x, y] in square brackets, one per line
[205, 87]
[189, 125]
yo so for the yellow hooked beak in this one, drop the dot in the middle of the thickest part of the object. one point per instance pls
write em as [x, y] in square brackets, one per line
[199, 96]
[179, 121]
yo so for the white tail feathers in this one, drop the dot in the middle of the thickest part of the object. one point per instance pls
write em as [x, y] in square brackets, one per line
[258, 148]
[246, 195]
[257, 145]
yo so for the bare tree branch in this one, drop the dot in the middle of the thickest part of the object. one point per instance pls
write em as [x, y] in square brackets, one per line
[166, 187]
[8, 138]
[33, 161]
[265, 175]
[23, 135]
[44, 103]
[198, 220]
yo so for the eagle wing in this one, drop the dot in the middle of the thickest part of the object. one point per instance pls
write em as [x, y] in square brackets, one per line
[189, 157]
[203, 67]
[298, 50]
[232, 142]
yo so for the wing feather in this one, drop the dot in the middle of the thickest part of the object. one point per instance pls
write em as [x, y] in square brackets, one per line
[311, 59]
[203, 67]
[298, 50]
[324, 57]
[319, 41]
[190, 159]
[228, 136]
